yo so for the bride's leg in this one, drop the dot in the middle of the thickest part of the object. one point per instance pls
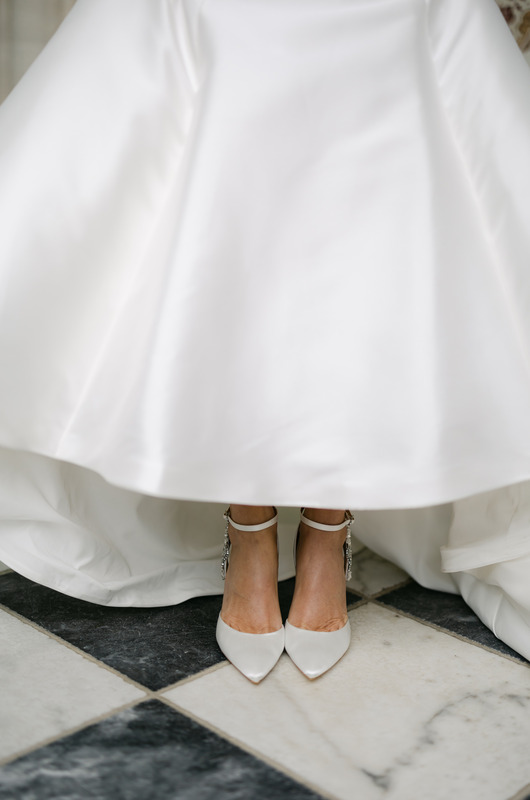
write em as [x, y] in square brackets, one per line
[250, 601]
[319, 601]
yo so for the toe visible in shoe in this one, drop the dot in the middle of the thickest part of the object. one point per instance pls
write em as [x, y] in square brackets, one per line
[314, 652]
[253, 654]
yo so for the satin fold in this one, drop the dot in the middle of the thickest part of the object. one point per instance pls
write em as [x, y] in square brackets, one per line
[276, 254]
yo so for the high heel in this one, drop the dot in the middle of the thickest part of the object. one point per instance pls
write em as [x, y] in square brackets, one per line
[314, 652]
[253, 654]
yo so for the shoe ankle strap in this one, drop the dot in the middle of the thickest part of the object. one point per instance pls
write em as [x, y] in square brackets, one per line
[260, 527]
[320, 526]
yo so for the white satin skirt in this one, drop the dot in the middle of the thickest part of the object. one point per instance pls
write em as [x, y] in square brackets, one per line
[270, 253]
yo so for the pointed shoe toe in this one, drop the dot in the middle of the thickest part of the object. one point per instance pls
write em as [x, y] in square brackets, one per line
[314, 652]
[253, 654]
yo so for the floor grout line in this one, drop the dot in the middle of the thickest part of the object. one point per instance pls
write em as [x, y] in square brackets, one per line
[107, 667]
[70, 731]
[381, 592]
[159, 696]
[393, 588]
[194, 677]
[247, 749]
[455, 635]
[358, 603]
[352, 606]
[75, 649]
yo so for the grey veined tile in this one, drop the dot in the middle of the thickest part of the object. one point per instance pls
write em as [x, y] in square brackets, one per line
[48, 689]
[409, 712]
[148, 752]
[449, 611]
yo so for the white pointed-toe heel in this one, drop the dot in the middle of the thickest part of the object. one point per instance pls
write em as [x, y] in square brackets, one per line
[314, 652]
[253, 654]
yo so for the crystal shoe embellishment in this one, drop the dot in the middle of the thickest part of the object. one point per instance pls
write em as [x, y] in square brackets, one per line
[226, 545]
[348, 549]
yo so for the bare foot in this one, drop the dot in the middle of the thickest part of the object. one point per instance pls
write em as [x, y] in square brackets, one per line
[250, 601]
[319, 600]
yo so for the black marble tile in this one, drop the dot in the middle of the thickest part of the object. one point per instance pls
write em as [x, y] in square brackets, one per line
[154, 646]
[149, 752]
[449, 611]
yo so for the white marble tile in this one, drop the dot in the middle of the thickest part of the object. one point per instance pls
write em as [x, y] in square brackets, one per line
[371, 573]
[46, 688]
[409, 712]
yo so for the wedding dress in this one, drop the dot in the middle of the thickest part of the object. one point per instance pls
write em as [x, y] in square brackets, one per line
[270, 253]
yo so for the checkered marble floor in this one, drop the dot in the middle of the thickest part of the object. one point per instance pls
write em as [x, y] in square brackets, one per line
[139, 703]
